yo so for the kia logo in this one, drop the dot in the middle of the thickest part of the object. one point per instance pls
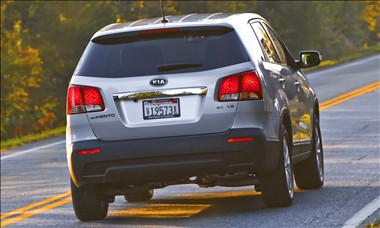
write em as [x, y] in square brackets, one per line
[158, 82]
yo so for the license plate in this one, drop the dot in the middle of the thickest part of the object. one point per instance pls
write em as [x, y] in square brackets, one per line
[161, 108]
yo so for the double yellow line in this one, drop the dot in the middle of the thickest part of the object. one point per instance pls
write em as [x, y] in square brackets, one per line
[348, 96]
[35, 208]
[64, 198]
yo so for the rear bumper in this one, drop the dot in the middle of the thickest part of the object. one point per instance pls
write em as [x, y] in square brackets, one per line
[162, 159]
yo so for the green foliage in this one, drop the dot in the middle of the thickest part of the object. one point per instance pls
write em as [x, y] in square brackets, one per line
[42, 41]
[20, 77]
[332, 27]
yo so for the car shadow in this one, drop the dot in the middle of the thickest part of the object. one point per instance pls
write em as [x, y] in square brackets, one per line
[189, 209]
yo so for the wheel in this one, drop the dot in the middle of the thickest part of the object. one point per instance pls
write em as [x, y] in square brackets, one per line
[87, 203]
[140, 196]
[277, 188]
[309, 174]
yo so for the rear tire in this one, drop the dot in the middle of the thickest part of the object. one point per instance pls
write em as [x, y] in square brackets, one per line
[87, 203]
[309, 174]
[140, 196]
[278, 188]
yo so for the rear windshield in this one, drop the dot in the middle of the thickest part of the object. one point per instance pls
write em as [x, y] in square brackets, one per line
[166, 51]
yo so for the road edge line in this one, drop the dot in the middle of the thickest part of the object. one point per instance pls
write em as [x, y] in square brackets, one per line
[363, 214]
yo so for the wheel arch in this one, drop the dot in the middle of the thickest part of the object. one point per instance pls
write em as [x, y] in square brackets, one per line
[287, 122]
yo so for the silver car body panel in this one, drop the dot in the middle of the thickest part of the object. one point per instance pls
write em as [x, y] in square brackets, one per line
[200, 114]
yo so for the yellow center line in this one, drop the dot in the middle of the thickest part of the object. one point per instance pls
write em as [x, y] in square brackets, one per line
[35, 211]
[344, 97]
[63, 198]
[31, 206]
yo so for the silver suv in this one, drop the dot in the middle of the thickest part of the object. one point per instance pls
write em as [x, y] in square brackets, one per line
[206, 99]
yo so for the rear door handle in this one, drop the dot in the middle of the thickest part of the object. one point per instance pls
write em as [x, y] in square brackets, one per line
[281, 80]
[297, 83]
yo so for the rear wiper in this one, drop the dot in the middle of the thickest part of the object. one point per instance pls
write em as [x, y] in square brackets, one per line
[177, 66]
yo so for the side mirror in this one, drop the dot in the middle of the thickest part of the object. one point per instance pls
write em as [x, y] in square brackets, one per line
[309, 59]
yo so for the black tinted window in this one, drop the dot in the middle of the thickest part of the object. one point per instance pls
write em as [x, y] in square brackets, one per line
[170, 51]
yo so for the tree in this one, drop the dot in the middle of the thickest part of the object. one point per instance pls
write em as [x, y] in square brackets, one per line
[20, 81]
[34, 80]
[370, 15]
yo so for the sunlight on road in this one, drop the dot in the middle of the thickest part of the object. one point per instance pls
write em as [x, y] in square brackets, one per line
[215, 195]
[163, 211]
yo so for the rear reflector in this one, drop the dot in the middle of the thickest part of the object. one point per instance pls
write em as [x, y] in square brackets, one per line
[91, 151]
[242, 86]
[82, 99]
[234, 140]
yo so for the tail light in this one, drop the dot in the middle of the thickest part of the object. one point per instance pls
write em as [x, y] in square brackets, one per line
[82, 99]
[242, 86]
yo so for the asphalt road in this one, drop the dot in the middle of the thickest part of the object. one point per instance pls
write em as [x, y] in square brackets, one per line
[351, 137]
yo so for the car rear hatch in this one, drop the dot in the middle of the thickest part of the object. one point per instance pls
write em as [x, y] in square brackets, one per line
[162, 83]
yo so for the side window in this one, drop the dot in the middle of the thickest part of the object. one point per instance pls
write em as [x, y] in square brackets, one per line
[277, 43]
[265, 42]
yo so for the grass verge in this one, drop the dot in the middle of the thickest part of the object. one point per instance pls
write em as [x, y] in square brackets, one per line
[14, 142]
